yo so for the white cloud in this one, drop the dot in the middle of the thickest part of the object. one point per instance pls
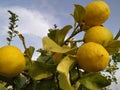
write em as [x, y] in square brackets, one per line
[31, 21]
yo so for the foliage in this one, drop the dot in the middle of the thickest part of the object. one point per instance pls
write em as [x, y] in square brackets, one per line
[44, 74]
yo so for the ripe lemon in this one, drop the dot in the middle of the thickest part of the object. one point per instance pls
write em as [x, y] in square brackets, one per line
[92, 57]
[97, 12]
[12, 61]
[98, 34]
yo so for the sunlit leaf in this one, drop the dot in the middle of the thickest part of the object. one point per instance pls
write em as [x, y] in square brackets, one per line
[63, 69]
[113, 46]
[40, 70]
[2, 87]
[79, 13]
[50, 45]
[94, 81]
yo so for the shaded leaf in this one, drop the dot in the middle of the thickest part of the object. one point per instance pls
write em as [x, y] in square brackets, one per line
[50, 45]
[94, 81]
[40, 70]
[61, 34]
[58, 35]
[48, 84]
[113, 46]
[28, 56]
[63, 69]
[79, 13]
[19, 83]
[8, 39]
[29, 51]
[52, 34]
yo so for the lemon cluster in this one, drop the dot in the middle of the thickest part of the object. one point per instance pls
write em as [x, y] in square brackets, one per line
[92, 55]
[12, 61]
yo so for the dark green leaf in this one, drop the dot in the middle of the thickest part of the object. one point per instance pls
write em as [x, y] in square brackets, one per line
[79, 13]
[94, 81]
[9, 32]
[8, 39]
[116, 57]
[19, 82]
[52, 34]
[48, 84]
[58, 35]
[16, 32]
[40, 70]
[61, 34]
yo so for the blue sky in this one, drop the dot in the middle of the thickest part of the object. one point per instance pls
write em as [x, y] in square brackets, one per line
[37, 16]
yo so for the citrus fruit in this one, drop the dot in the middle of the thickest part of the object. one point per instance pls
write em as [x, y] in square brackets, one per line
[12, 61]
[92, 57]
[98, 34]
[97, 12]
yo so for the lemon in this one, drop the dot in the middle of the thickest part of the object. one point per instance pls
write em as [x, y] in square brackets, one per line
[98, 34]
[12, 61]
[97, 12]
[92, 57]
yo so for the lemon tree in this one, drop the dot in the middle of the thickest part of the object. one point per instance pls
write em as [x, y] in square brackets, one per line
[97, 12]
[79, 67]
[98, 34]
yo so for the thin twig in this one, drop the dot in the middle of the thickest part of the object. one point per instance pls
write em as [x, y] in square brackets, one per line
[118, 35]
[75, 32]
[23, 40]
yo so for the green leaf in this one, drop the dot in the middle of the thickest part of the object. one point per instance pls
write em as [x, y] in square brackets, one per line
[28, 56]
[48, 84]
[94, 81]
[79, 13]
[29, 51]
[63, 69]
[61, 34]
[50, 45]
[19, 83]
[58, 35]
[113, 47]
[40, 70]
[2, 87]
[52, 34]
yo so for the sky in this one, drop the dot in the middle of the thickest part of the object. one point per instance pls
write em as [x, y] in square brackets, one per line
[37, 16]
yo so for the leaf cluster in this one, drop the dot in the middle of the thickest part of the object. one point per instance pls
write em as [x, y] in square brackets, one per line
[12, 28]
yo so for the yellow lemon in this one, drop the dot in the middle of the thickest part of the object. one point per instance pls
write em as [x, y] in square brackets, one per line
[98, 34]
[92, 57]
[12, 61]
[97, 12]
